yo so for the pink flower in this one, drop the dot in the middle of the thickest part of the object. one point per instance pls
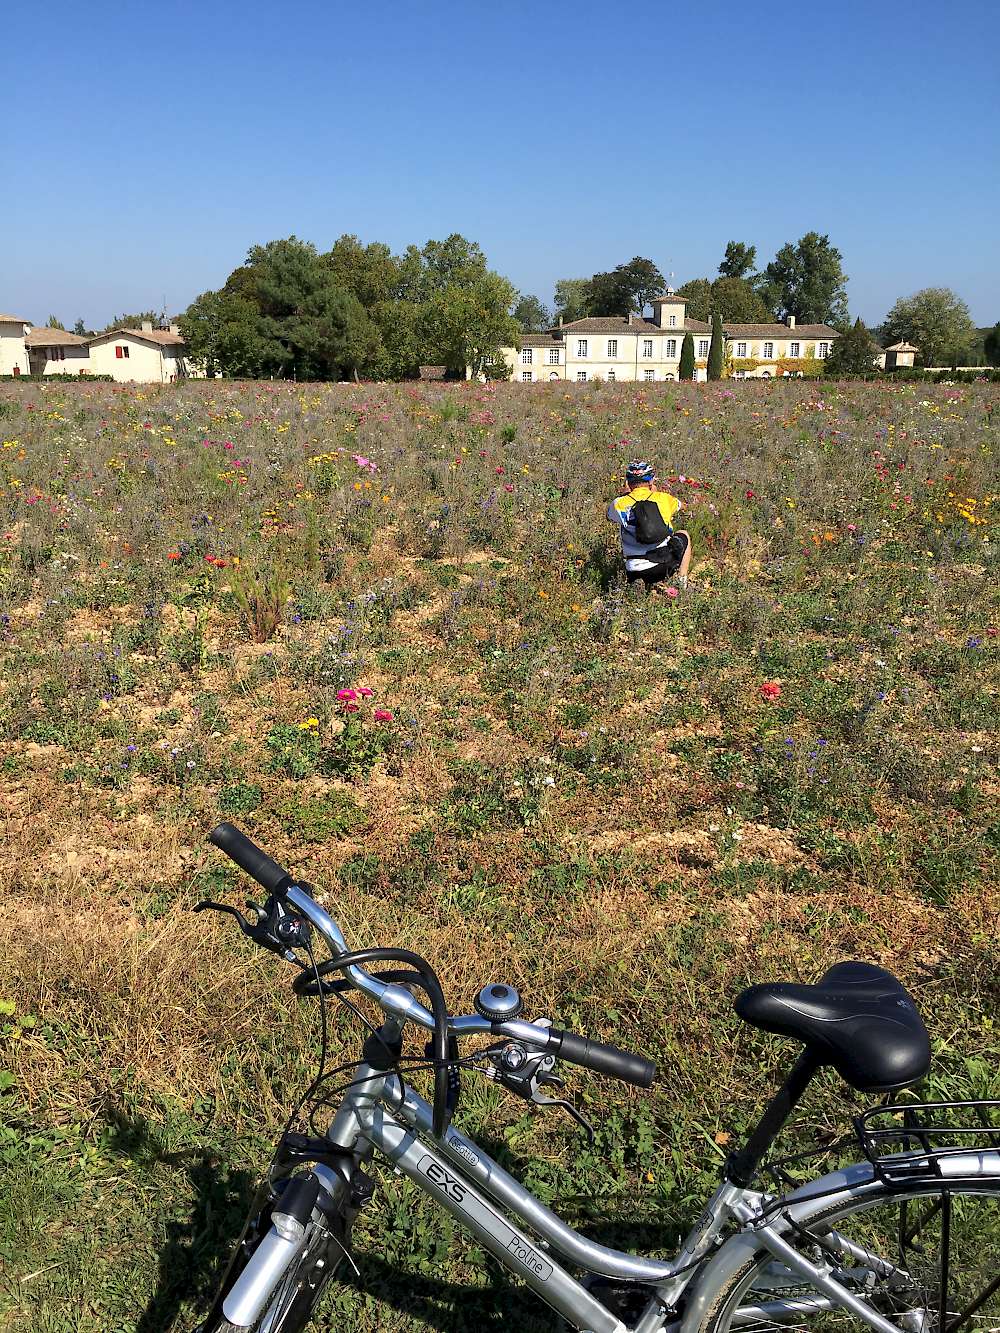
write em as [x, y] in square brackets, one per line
[508, 488]
[350, 708]
[770, 690]
[347, 696]
[671, 592]
[364, 691]
[383, 715]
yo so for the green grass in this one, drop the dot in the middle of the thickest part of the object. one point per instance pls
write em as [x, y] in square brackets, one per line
[579, 789]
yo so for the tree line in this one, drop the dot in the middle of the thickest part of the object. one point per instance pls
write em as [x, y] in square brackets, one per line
[355, 311]
[360, 311]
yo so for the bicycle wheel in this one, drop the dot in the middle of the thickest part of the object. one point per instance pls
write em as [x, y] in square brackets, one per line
[928, 1260]
[297, 1295]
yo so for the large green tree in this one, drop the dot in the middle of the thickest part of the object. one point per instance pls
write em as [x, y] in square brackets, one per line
[222, 330]
[716, 350]
[807, 280]
[697, 295]
[738, 261]
[572, 298]
[627, 288]
[936, 321]
[465, 324]
[853, 354]
[531, 314]
[734, 299]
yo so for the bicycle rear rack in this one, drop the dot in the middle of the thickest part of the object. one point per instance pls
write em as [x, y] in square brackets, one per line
[940, 1141]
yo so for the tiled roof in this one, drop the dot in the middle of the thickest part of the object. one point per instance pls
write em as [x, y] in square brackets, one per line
[641, 327]
[902, 347]
[672, 297]
[53, 338]
[161, 337]
[551, 339]
[779, 331]
[13, 319]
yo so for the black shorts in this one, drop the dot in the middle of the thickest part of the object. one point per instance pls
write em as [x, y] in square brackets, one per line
[666, 567]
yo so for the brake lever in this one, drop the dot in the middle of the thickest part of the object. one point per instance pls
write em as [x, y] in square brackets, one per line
[540, 1099]
[207, 905]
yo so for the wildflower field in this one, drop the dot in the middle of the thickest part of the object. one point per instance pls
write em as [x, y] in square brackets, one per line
[384, 630]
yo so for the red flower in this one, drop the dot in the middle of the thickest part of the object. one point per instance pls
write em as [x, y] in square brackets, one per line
[770, 690]
[173, 555]
[750, 495]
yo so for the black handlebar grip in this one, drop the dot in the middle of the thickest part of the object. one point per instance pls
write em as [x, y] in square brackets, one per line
[238, 847]
[601, 1058]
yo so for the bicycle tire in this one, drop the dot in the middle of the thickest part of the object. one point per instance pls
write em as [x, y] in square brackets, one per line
[745, 1289]
[302, 1286]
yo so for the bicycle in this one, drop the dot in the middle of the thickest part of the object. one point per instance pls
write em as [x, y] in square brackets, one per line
[901, 1242]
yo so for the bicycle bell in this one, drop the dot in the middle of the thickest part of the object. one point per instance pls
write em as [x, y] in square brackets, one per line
[498, 1002]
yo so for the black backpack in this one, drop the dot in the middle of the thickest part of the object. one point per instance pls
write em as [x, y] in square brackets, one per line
[650, 527]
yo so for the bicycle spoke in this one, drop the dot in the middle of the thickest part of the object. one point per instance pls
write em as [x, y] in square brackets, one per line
[945, 1260]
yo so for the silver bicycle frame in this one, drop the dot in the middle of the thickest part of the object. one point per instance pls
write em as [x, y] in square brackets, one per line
[466, 1182]
[470, 1185]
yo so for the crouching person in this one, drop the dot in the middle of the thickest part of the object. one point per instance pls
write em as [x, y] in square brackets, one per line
[652, 549]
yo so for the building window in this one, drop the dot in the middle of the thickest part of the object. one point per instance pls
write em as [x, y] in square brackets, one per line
[703, 347]
[793, 349]
[121, 352]
[57, 353]
[768, 351]
[671, 348]
[823, 349]
[581, 347]
[647, 347]
[553, 356]
[553, 376]
[649, 374]
[581, 377]
[673, 321]
[612, 347]
[741, 349]
[527, 356]
[611, 377]
[527, 376]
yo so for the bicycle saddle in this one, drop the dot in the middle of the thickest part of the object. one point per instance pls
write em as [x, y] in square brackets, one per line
[858, 1018]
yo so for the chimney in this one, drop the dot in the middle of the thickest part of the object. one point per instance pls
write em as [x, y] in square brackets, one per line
[175, 328]
[790, 321]
[147, 326]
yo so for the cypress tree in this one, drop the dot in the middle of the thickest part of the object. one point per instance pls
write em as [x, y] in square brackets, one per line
[716, 352]
[686, 370]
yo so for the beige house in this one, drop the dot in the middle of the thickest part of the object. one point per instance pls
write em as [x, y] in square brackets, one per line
[57, 352]
[649, 349]
[13, 353]
[142, 356]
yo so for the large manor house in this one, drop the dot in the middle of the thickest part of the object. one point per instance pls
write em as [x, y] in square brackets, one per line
[649, 348]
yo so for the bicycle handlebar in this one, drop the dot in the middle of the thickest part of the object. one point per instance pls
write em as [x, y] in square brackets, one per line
[397, 1001]
[249, 857]
[602, 1058]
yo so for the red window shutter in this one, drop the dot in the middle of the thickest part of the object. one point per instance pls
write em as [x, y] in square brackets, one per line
[118, 353]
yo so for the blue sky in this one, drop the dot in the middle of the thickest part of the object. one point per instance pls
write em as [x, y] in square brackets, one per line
[146, 147]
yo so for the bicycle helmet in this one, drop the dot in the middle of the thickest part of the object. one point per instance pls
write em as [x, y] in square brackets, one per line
[639, 470]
